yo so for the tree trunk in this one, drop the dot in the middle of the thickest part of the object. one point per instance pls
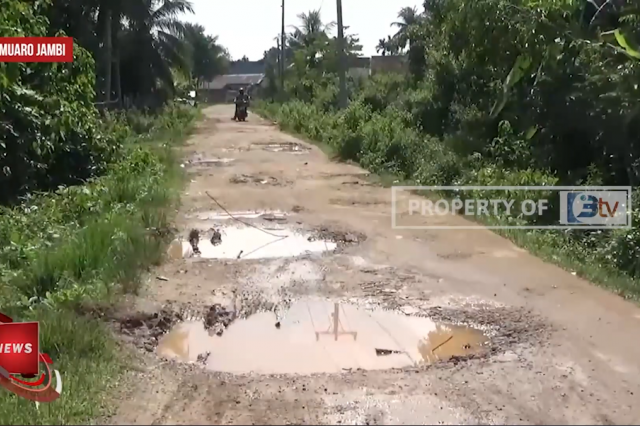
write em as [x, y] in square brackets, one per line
[115, 35]
[107, 53]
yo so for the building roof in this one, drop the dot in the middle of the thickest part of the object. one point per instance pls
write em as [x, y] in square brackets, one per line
[222, 81]
[247, 67]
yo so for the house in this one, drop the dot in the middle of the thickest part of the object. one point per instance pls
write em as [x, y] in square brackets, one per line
[242, 74]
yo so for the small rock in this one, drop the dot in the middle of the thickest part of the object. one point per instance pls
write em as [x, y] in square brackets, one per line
[216, 238]
[161, 278]
[202, 358]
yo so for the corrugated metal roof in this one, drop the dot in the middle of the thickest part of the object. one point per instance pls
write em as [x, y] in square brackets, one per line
[222, 81]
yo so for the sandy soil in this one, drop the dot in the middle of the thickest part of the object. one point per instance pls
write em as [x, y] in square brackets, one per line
[562, 351]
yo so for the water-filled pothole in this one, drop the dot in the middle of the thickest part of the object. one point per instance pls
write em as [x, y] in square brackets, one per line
[305, 341]
[247, 242]
[210, 161]
[261, 180]
[247, 214]
[290, 147]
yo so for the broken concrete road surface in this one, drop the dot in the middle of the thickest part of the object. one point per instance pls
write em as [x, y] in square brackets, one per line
[289, 299]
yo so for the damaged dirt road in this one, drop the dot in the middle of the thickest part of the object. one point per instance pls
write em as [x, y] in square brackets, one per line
[291, 300]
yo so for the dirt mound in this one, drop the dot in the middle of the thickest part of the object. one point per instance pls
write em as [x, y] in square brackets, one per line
[144, 329]
[340, 237]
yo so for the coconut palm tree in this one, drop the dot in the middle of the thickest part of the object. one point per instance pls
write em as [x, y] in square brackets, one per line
[311, 29]
[153, 41]
[408, 17]
[207, 57]
[382, 46]
[154, 24]
[387, 45]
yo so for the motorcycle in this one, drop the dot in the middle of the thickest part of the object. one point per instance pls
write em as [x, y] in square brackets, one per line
[241, 112]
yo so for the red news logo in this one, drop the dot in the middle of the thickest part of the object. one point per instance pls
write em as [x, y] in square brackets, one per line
[20, 356]
[15, 348]
[19, 347]
[36, 49]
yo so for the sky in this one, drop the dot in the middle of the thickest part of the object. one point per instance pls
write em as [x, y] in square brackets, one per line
[249, 27]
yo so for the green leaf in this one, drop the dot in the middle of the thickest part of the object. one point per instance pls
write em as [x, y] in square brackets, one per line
[523, 62]
[622, 41]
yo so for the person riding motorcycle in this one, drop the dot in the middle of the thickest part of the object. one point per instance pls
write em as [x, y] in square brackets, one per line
[241, 100]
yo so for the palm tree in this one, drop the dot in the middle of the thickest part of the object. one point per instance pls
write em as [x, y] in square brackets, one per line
[154, 43]
[207, 57]
[382, 46]
[387, 45]
[154, 24]
[408, 17]
[311, 29]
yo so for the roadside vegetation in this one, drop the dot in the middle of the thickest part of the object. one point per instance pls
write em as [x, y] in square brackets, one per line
[495, 92]
[89, 179]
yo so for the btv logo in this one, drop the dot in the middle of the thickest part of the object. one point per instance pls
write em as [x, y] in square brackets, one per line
[595, 208]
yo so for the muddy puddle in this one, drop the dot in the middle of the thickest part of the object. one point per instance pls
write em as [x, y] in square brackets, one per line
[209, 162]
[290, 147]
[449, 341]
[247, 242]
[320, 336]
[261, 180]
[247, 214]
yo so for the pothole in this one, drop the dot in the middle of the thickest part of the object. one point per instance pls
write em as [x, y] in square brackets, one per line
[259, 180]
[290, 147]
[245, 242]
[308, 340]
[257, 235]
[245, 214]
[249, 242]
[198, 160]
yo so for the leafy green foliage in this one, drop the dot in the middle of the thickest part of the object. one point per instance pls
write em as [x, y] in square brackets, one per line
[84, 210]
[49, 132]
[502, 93]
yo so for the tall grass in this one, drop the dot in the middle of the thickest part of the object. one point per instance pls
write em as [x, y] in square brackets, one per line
[89, 243]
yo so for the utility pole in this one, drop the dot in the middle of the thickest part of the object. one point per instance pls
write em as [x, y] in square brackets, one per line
[342, 59]
[282, 54]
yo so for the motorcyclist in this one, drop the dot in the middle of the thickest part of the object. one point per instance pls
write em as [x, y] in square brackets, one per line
[241, 100]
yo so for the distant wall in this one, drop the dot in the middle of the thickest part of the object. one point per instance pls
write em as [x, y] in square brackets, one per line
[383, 64]
[212, 96]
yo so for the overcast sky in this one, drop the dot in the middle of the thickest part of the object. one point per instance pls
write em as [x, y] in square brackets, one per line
[249, 27]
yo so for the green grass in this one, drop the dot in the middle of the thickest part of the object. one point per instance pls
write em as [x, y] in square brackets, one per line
[89, 245]
[585, 258]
